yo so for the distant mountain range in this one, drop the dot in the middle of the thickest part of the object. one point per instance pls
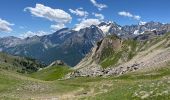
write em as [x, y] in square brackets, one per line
[70, 45]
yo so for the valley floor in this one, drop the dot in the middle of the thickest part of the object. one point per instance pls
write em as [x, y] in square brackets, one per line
[153, 85]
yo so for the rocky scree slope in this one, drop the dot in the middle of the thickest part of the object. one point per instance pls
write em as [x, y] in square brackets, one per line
[116, 56]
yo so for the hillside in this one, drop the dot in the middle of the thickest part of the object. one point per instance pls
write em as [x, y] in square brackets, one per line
[115, 56]
[151, 85]
[148, 83]
[51, 73]
[19, 64]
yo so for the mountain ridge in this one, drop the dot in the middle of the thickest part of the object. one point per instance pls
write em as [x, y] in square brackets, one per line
[66, 42]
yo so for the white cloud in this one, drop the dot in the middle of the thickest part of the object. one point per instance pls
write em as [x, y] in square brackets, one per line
[137, 17]
[57, 27]
[99, 6]
[31, 34]
[128, 14]
[79, 12]
[86, 23]
[60, 17]
[56, 15]
[100, 16]
[5, 26]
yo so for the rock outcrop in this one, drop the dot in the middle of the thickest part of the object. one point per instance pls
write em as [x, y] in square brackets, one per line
[57, 63]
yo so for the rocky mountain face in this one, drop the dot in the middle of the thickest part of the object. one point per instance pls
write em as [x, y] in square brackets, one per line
[71, 46]
[117, 56]
[67, 45]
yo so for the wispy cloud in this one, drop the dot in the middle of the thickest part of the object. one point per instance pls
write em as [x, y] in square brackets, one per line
[57, 27]
[99, 6]
[99, 16]
[86, 23]
[55, 15]
[79, 12]
[31, 34]
[5, 26]
[128, 14]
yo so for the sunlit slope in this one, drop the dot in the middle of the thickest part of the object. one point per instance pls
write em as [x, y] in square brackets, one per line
[52, 73]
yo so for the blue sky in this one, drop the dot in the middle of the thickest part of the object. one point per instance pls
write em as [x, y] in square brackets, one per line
[23, 17]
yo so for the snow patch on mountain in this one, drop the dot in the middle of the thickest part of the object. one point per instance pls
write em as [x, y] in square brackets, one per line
[105, 28]
[136, 32]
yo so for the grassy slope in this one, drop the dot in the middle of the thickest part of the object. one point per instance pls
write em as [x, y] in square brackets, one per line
[14, 86]
[51, 73]
[18, 64]
[152, 85]
[128, 50]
